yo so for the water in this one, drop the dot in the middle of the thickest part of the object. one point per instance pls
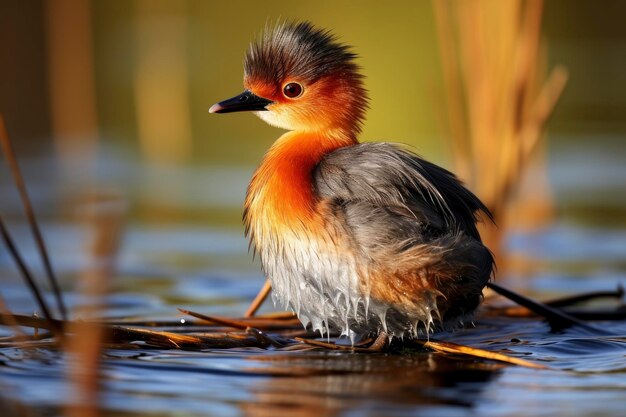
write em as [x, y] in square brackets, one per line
[205, 267]
[587, 378]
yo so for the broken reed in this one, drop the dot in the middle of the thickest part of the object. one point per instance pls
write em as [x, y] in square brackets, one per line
[498, 98]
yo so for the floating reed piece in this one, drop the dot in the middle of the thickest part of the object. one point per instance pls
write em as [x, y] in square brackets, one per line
[219, 336]
[498, 98]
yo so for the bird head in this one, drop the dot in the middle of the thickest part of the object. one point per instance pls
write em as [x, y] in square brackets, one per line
[298, 77]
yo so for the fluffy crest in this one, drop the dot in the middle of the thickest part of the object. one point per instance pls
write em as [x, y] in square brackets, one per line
[297, 50]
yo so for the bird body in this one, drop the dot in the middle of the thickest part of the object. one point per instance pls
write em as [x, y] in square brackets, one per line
[359, 237]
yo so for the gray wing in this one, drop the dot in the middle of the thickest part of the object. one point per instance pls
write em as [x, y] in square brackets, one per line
[385, 182]
[411, 219]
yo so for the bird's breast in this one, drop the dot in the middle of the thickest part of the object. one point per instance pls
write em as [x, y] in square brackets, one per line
[281, 197]
[303, 250]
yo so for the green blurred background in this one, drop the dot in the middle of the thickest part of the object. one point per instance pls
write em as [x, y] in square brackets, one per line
[84, 80]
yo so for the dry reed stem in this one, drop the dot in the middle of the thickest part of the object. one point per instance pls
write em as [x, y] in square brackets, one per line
[531, 133]
[30, 281]
[20, 184]
[557, 319]
[264, 338]
[154, 338]
[245, 322]
[216, 320]
[164, 339]
[4, 310]
[334, 346]
[497, 98]
[106, 219]
[259, 299]
[370, 345]
[448, 347]
[453, 88]
[438, 346]
[193, 342]
[30, 321]
[85, 350]
[619, 313]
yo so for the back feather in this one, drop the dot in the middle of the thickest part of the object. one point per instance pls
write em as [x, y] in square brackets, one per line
[386, 174]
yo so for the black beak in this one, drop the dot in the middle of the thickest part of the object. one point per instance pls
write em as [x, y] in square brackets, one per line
[245, 101]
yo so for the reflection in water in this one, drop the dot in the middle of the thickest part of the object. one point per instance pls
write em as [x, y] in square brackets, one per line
[340, 382]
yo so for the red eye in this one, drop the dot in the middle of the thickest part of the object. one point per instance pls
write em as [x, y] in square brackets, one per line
[292, 90]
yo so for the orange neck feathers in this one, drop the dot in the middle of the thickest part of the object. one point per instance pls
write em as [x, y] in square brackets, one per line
[281, 191]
